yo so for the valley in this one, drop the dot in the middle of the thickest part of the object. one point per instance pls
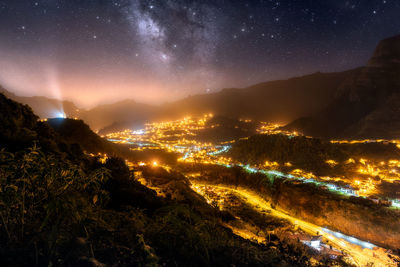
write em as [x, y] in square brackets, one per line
[199, 133]
[197, 157]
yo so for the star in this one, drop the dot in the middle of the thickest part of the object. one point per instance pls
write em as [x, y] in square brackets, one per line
[182, 40]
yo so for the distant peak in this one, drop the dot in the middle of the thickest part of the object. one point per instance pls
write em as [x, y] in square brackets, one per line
[128, 101]
[387, 53]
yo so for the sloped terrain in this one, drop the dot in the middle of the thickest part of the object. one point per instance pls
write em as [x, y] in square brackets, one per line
[365, 105]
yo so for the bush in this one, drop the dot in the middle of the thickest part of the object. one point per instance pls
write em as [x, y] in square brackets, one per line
[44, 205]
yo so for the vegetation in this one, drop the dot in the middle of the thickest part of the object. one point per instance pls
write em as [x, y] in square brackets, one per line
[45, 204]
[56, 213]
[59, 206]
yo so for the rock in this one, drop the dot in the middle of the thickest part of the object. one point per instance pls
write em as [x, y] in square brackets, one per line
[365, 104]
[387, 54]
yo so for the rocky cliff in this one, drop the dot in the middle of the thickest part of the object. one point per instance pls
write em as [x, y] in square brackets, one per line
[365, 104]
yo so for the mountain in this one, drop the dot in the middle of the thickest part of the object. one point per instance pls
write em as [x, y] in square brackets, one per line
[77, 132]
[279, 101]
[222, 129]
[366, 105]
[119, 115]
[18, 130]
[45, 107]
[123, 114]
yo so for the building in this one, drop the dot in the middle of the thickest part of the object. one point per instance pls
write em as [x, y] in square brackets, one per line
[315, 241]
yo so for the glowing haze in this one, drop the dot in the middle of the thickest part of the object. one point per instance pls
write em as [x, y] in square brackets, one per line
[99, 51]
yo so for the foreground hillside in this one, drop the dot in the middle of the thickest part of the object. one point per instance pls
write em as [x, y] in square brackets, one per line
[61, 207]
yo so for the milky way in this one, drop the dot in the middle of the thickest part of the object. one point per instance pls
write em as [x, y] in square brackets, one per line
[97, 51]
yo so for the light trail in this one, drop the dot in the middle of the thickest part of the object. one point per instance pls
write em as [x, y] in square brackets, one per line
[350, 245]
[350, 239]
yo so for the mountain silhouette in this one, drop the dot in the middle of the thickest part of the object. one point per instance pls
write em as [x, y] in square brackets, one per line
[366, 105]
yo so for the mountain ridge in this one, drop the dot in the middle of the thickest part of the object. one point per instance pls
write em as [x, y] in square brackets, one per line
[363, 102]
[327, 105]
[262, 101]
[44, 107]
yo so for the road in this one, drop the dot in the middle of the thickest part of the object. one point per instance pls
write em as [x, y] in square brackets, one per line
[361, 256]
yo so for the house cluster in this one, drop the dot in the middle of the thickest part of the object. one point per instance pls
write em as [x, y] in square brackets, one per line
[316, 244]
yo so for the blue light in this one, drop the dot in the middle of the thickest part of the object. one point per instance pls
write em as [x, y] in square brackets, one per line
[60, 115]
[350, 239]
[277, 173]
[396, 203]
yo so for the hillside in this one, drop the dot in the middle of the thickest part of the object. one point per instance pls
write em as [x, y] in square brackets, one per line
[45, 107]
[123, 114]
[279, 101]
[76, 131]
[366, 104]
[61, 207]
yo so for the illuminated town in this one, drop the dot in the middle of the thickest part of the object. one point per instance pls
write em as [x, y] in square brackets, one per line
[180, 137]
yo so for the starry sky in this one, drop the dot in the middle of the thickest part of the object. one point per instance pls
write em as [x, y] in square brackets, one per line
[100, 51]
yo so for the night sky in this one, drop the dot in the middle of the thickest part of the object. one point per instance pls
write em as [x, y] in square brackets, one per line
[96, 51]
